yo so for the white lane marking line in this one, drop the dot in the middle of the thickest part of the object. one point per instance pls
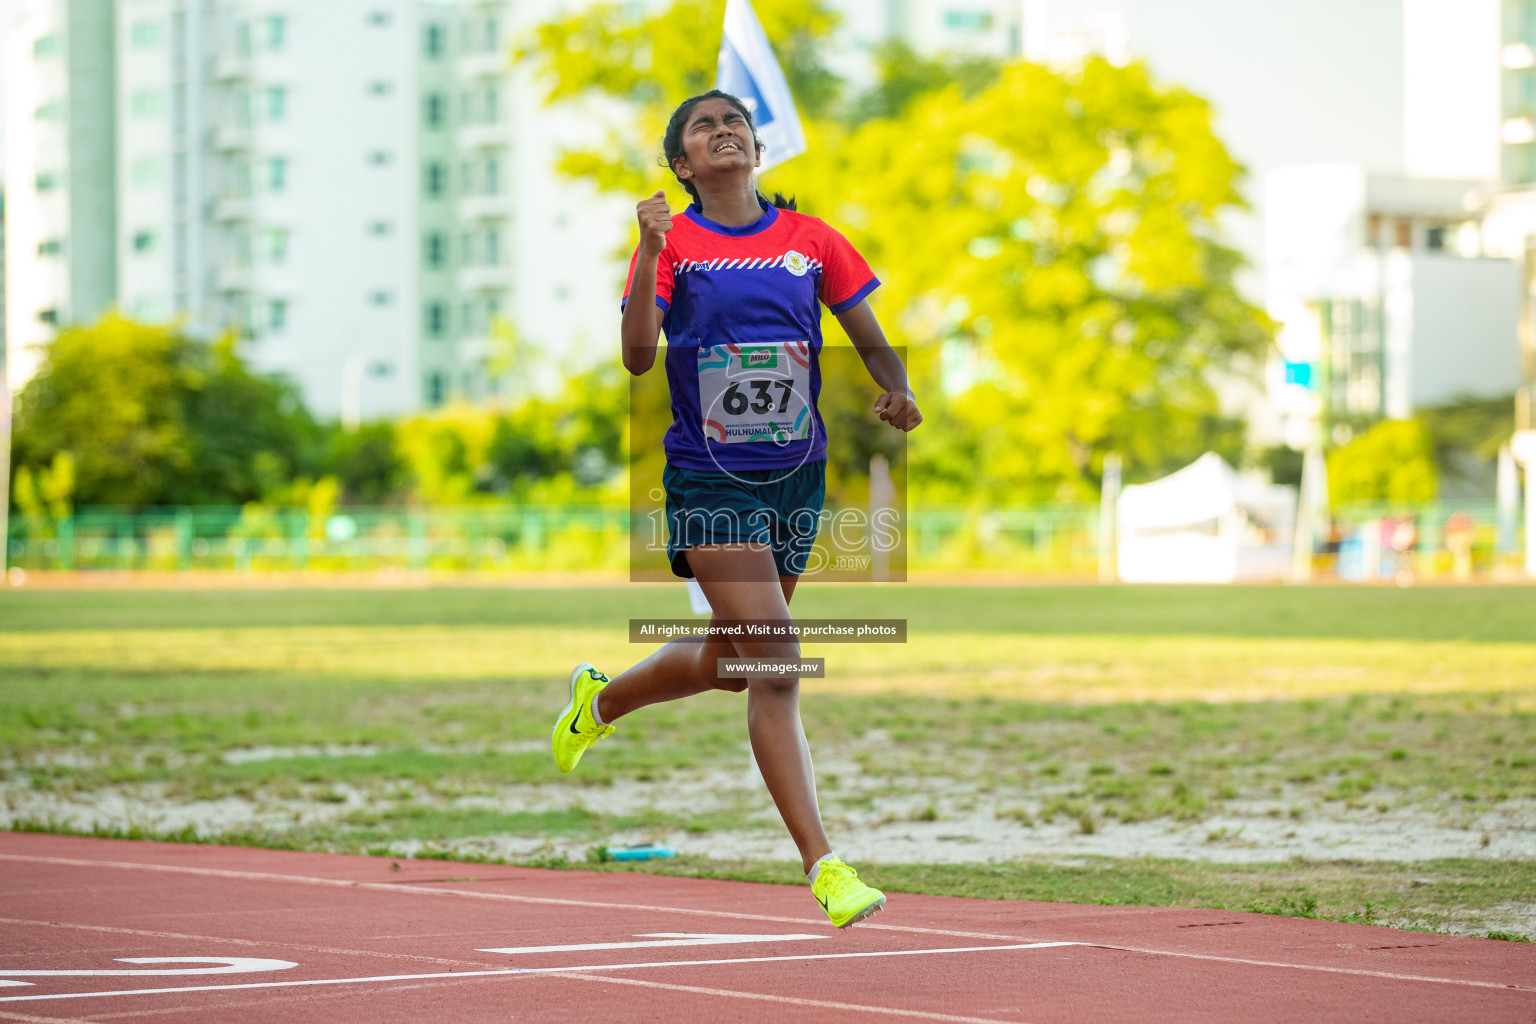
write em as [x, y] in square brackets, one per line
[791, 1000]
[227, 965]
[553, 901]
[272, 944]
[1502, 986]
[24, 1018]
[658, 939]
[313, 982]
[419, 890]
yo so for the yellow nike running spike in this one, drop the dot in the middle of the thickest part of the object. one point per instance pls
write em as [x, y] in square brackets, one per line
[576, 730]
[845, 899]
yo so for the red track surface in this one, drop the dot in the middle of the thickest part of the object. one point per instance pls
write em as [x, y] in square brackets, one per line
[329, 938]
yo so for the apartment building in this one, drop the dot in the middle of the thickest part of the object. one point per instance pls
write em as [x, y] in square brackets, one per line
[363, 189]
[60, 174]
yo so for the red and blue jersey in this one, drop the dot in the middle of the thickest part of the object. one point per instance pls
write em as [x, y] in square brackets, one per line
[761, 284]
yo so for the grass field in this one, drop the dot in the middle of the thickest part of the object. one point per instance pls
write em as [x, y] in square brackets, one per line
[1355, 753]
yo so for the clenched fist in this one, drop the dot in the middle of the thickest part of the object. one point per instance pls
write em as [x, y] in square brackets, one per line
[898, 409]
[655, 222]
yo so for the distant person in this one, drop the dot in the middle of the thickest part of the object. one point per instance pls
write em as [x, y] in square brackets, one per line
[1460, 533]
[1404, 539]
[737, 282]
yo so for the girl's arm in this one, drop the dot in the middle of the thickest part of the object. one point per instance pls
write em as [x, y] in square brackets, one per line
[898, 406]
[641, 326]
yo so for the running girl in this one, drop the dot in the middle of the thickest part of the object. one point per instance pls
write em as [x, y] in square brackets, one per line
[735, 281]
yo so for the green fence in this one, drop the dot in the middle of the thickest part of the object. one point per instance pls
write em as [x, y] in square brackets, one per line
[1045, 538]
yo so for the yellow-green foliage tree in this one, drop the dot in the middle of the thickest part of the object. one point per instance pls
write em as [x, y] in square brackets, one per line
[542, 449]
[150, 416]
[1394, 462]
[1056, 230]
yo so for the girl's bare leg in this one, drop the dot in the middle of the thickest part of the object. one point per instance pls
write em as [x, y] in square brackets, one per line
[741, 582]
[676, 670]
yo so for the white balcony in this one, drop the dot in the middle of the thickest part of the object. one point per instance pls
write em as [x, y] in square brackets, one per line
[485, 278]
[231, 67]
[472, 351]
[484, 65]
[234, 278]
[493, 207]
[232, 138]
[234, 207]
[485, 136]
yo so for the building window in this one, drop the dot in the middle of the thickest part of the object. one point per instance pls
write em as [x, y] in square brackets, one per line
[437, 384]
[379, 18]
[48, 182]
[437, 319]
[437, 250]
[491, 105]
[380, 88]
[379, 158]
[436, 180]
[277, 103]
[50, 112]
[435, 41]
[276, 32]
[492, 176]
[243, 39]
[144, 242]
[967, 21]
[48, 316]
[492, 35]
[436, 110]
[147, 171]
[146, 103]
[144, 35]
[1404, 233]
[277, 175]
[1434, 239]
[380, 228]
[380, 298]
[277, 246]
[277, 315]
[45, 46]
[492, 247]
[50, 247]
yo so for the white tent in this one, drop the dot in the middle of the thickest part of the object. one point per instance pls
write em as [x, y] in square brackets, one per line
[1206, 523]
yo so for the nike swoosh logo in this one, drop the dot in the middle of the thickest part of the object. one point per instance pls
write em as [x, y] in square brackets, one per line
[574, 730]
[822, 902]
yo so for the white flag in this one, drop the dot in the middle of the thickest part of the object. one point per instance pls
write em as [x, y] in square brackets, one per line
[750, 72]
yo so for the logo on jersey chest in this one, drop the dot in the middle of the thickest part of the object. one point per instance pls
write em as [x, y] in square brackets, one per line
[796, 264]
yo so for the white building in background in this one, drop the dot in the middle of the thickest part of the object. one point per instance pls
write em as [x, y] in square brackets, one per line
[1373, 133]
[1386, 300]
[60, 172]
[364, 188]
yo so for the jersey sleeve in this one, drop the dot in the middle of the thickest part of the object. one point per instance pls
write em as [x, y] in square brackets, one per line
[846, 279]
[663, 278]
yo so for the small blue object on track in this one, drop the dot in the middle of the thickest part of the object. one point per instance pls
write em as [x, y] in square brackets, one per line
[643, 852]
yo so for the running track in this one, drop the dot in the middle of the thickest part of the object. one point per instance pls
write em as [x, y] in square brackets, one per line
[259, 936]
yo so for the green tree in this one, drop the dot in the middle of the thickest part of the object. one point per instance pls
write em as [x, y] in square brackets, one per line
[650, 61]
[150, 416]
[1394, 461]
[1058, 231]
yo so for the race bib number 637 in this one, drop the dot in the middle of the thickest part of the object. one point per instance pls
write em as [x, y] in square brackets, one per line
[756, 393]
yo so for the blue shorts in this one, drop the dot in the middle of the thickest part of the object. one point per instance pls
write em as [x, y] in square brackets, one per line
[777, 507]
